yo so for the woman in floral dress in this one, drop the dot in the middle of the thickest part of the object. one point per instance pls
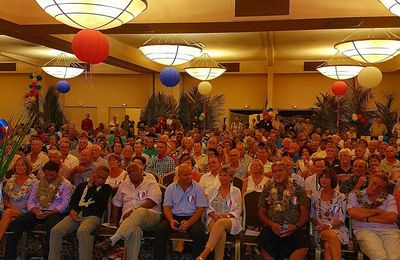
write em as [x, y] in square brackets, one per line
[16, 193]
[328, 213]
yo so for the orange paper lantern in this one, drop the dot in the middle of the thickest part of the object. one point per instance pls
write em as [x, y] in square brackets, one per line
[339, 88]
[90, 46]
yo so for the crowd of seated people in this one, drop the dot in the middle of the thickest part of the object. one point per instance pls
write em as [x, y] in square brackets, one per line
[66, 180]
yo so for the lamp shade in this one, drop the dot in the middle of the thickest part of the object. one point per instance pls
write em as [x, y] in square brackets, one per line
[170, 54]
[62, 67]
[340, 71]
[392, 5]
[93, 14]
[370, 50]
[205, 68]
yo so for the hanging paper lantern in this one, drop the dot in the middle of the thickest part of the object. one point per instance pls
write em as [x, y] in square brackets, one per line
[38, 87]
[170, 77]
[90, 46]
[205, 88]
[63, 86]
[354, 117]
[3, 129]
[339, 88]
[369, 77]
[39, 78]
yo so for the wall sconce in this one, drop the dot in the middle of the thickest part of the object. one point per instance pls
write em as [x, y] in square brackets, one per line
[295, 106]
[246, 106]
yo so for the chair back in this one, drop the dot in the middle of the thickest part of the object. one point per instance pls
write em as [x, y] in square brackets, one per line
[163, 189]
[250, 209]
[168, 179]
[238, 183]
[155, 176]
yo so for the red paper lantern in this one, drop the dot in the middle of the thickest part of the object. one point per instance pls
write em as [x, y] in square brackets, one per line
[90, 46]
[339, 88]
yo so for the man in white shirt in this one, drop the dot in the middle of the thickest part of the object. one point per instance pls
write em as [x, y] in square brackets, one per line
[311, 184]
[140, 200]
[68, 159]
[211, 178]
[200, 158]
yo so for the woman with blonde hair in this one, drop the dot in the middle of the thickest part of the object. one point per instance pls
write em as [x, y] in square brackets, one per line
[16, 193]
[223, 214]
[255, 179]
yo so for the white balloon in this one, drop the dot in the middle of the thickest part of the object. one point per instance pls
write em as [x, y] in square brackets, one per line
[205, 88]
[369, 77]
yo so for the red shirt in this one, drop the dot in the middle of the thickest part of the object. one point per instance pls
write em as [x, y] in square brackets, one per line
[87, 124]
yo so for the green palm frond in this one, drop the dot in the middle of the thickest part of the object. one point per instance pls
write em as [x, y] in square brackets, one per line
[325, 112]
[159, 104]
[384, 111]
[215, 111]
[52, 111]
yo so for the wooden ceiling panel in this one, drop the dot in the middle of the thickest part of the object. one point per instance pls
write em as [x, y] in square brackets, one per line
[261, 7]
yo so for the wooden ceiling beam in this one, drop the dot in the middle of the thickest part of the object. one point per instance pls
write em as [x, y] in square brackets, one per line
[231, 27]
[41, 37]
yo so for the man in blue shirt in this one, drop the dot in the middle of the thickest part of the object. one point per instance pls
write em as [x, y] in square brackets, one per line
[184, 204]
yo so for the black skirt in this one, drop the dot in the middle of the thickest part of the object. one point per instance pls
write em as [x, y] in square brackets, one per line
[282, 247]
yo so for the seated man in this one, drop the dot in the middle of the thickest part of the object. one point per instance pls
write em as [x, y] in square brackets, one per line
[184, 204]
[140, 200]
[374, 215]
[85, 211]
[47, 204]
[283, 212]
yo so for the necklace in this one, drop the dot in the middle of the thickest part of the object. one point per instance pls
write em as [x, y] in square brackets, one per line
[364, 203]
[280, 205]
[24, 189]
[47, 191]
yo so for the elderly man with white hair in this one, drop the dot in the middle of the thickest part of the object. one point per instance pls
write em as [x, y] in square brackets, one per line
[344, 170]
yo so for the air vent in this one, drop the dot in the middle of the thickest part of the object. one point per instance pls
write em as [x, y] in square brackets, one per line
[261, 7]
[311, 65]
[231, 66]
[8, 66]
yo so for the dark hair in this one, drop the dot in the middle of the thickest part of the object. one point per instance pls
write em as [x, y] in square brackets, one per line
[374, 156]
[112, 147]
[141, 158]
[331, 174]
[302, 148]
[215, 151]
[51, 166]
[103, 168]
[186, 157]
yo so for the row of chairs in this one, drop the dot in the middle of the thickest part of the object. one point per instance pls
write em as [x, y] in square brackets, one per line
[238, 242]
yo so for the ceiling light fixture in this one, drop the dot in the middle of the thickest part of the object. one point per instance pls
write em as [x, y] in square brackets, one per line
[370, 49]
[340, 67]
[169, 50]
[205, 68]
[392, 5]
[93, 14]
[62, 67]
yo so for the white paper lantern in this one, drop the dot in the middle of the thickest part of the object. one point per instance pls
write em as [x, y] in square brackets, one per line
[369, 77]
[205, 88]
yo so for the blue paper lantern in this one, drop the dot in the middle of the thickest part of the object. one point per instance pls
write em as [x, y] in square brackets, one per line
[170, 77]
[386, 138]
[63, 86]
[3, 129]
[39, 78]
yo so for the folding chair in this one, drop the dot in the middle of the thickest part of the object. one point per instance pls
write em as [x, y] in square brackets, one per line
[238, 183]
[168, 179]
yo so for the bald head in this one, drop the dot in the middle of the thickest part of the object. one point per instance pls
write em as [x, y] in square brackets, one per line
[184, 174]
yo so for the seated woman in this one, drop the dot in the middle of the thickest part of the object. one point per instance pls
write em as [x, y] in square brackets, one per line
[223, 214]
[328, 213]
[374, 162]
[304, 165]
[16, 193]
[256, 178]
[117, 174]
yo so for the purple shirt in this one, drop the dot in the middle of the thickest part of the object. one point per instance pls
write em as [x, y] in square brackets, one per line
[60, 200]
[389, 205]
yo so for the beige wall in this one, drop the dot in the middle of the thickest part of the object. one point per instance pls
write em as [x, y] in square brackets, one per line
[134, 90]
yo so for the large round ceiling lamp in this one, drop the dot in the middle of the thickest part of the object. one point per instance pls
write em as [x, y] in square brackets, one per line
[205, 68]
[340, 67]
[93, 14]
[368, 47]
[169, 50]
[392, 5]
[62, 67]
